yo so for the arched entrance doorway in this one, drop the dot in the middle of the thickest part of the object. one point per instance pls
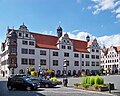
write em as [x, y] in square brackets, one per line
[74, 72]
[69, 72]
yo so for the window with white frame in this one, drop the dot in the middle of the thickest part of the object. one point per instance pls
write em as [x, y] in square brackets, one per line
[55, 62]
[42, 52]
[76, 63]
[24, 61]
[24, 51]
[42, 61]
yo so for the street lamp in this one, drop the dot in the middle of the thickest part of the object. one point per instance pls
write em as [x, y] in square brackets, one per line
[65, 80]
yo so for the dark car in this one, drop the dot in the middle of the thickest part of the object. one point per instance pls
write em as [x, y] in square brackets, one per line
[22, 83]
[43, 82]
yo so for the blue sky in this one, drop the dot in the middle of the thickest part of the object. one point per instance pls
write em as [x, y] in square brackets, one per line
[99, 18]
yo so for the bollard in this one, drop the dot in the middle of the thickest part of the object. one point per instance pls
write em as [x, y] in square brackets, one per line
[109, 87]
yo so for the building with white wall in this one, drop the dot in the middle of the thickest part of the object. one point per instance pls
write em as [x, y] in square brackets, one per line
[23, 49]
[110, 59]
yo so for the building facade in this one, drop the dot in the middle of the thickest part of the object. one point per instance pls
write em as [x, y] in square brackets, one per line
[110, 59]
[23, 49]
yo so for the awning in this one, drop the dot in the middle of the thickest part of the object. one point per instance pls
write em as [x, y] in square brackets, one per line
[95, 70]
[48, 71]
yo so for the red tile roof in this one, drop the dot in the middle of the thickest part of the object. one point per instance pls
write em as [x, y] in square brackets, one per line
[50, 42]
[117, 48]
[45, 41]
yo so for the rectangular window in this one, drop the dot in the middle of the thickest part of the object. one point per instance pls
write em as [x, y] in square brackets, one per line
[24, 51]
[24, 61]
[97, 56]
[42, 62]
[55, 53]
[97, 63]
[55, 62]
[13, 41]
[87, 56]
[20, 34]
[93, 50]
[93, 63]
[25, 42]
[11, 61]
[76, 63]
[87, 63]
[66, 54]
[26, 35]
[69, 47]
[82, 63]
[76, 55]
[42, 52]
[82, 55]
[93, 56]
[31, 51]
[13, 50]
[63, 47]
[31, 61]
[31, 43]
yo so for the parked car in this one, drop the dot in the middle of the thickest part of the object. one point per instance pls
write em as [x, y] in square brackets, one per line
[15, 75]
[43, 82]
[22, 83]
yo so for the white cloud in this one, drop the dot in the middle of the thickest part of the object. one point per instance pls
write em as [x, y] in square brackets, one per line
[102, 5]
[117, 10]
[104, 40]
[118, 16]
[110, 40]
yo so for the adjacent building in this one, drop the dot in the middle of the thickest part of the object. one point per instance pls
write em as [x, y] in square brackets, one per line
[110, 59]
[22, 49]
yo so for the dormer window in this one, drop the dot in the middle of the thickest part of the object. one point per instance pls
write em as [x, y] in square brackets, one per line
[68, 41]
[93, 50]
[68, 47]
[97, 50]
[20, 34]
[63, 47]
[26, 35]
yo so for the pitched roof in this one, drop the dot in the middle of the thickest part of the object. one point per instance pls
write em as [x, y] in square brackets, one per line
[117, 48]
[45, 41]
[50, 42]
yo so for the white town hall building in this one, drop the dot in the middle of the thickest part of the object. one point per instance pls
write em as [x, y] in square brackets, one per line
[22, 49]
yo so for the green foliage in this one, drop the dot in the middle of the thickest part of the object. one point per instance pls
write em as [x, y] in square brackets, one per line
[92, 80]
[99, 80]
[54, 79]
[89, 81]
[102, 69]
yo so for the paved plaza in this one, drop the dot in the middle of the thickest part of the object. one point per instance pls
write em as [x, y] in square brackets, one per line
[63, 91]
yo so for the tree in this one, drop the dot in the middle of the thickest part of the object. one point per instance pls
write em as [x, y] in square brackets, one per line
[101, 70]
